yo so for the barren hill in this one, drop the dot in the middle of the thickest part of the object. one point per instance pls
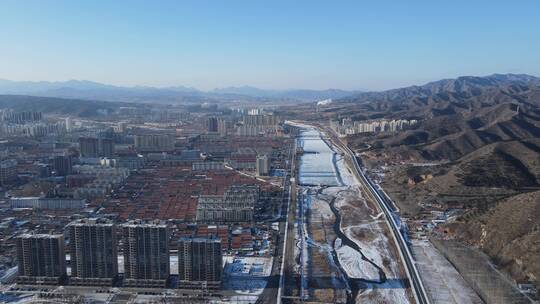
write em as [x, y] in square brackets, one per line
[509, 233]
[476, 146]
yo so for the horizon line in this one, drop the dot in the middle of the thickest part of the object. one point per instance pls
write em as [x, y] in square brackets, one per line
[164, 87]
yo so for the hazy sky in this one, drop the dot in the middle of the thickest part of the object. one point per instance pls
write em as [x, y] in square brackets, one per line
[269, 44]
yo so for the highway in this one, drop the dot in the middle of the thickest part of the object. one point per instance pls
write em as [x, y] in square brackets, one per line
[417, 285]
[274, 290]
[287, 283]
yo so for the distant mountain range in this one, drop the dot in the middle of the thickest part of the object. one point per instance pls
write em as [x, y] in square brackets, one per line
[83, 89]
[471, 85]
[456, 116]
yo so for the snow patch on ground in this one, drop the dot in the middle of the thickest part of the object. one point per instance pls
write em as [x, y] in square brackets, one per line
[374, 249]
[247, 276]
[368, 234]
[388, 292]
[240, 299]
[352, 262]
[321, 207]
[346, 176]
[332, 191]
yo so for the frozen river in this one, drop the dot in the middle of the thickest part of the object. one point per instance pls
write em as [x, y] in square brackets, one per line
[317, 162]
[343, 253]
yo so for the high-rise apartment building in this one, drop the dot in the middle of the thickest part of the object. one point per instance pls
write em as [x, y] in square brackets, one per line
[96, 147]
[262, 165]
[62, 165]
[41, 258]
[261, 120]
[222, 126]
[154, 142]
[236, 205]
[8, 171]
[89, 146]
[106, 147]
[69, 124]
[93, 252]
[146, 254]
[20, 117]
[212, 125]
[258, 125]
[200, 262]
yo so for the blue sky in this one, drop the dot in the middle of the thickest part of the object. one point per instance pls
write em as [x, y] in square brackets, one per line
[270, 44]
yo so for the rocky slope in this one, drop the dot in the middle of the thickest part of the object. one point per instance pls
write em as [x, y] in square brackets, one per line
[509, 233]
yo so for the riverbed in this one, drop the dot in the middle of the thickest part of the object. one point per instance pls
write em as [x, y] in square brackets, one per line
[335, 250]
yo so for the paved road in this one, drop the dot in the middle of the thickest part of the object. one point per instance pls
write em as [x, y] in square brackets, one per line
[419, 291]
[288, 280]
[273, 291]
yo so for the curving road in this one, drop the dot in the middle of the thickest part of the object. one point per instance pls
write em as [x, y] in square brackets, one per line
[417, 285]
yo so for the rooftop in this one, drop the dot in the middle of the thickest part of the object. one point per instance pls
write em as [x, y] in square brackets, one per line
[39, 236]
[92, 222]
[199, 239]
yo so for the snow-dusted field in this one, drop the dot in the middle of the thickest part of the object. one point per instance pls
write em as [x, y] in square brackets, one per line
[363, 223]
[353, 263]
[388, 292]
[443, 282]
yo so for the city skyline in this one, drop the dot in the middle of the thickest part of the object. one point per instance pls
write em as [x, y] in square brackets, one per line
[270, 152]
